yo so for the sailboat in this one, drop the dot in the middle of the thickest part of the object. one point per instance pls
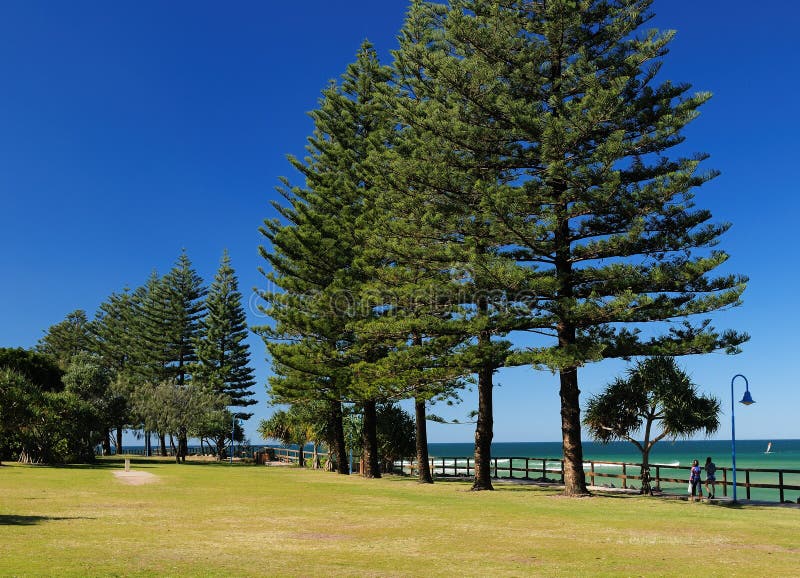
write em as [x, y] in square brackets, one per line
[769, 448]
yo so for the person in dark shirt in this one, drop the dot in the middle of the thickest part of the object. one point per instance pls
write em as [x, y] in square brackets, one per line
[711, 477]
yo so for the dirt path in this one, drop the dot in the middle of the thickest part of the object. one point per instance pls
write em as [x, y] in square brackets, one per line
[135, 478]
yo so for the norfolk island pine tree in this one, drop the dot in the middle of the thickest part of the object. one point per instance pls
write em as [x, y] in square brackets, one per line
[312, 256]
[223, 356]
[452, 174]
[586, 191]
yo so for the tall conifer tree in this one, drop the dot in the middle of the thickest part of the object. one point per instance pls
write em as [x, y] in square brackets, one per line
[67, 338]
[185, 307]
[223, 356]
[115, 338]
[451, 162]
[314, 254]
[600, 220]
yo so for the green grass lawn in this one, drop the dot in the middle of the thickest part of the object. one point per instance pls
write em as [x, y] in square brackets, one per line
[216, 519]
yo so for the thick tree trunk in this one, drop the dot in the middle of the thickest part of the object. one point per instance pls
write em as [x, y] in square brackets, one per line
[484, 432]
[183, 445]
[338, 432]
[371, 466]
[423, 461]
[574, 478]
[107, 443]
[220, 449]
[119, 441]
[162, 442]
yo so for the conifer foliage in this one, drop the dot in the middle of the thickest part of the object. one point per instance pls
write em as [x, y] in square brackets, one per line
[315, 252]
[166, 358]
[223, 356]
[533, 164]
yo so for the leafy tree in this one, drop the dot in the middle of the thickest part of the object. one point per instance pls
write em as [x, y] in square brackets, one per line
[15, 405]
[67, 338]
[223, 357]
[395, 431]
[178, 410]
[657, 395]
[38, 368]
[90, 403]
[40, 425]
[31, 403]
[396, 434]
[291, 427]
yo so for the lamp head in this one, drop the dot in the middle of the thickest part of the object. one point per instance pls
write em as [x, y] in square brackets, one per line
[747, 399]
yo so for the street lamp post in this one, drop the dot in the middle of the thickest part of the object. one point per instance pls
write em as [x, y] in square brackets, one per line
[746, 400]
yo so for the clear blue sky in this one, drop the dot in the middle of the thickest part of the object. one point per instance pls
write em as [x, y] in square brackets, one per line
[132, 130]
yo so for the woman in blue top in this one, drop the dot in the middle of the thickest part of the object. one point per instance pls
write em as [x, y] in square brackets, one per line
[711, 477]
[694, 480]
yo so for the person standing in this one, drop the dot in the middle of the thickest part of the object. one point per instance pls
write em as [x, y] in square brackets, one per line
[711, 477]
[694, 480]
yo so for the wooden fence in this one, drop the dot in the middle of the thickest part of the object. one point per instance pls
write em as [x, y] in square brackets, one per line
[552, 470]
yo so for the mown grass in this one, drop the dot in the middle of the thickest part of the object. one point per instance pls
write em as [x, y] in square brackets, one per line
[216, 519]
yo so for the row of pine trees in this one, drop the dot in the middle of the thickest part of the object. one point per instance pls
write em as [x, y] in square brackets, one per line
[512, 190]
[174, 354]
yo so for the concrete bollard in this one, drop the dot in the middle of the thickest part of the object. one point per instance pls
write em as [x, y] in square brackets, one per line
[127, 464]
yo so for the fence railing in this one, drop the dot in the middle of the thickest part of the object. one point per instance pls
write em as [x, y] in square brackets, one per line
[156, 451]
[552, 470]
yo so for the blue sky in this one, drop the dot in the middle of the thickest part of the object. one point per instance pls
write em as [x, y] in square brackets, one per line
[132, 130]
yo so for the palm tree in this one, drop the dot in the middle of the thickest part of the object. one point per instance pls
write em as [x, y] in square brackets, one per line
[657, 395]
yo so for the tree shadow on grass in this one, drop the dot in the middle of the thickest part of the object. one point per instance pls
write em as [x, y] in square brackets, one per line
[18, 520]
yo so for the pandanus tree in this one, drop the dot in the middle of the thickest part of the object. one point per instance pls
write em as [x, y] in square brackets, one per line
[658, 400]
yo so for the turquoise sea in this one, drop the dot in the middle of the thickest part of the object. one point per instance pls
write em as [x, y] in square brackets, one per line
[783, 455]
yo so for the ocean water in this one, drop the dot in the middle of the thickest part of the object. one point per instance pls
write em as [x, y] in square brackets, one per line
[785, 454]
[678, 455]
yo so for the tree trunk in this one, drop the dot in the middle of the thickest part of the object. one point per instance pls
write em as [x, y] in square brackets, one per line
[338, 432]
[423, 461]
[148, 449]
[183, 445]
[574, 478]
[645, 471]
[175, 450]
[119, 440]
[107, 443]
[371, 466]
[484, 432]
[301, 458]
[220, 449]
[162, 442]
[315, 464]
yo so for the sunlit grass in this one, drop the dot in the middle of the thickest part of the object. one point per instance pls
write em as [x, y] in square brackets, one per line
[216, 519]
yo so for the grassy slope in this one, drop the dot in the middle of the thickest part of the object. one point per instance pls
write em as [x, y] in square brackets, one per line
[216, 519]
